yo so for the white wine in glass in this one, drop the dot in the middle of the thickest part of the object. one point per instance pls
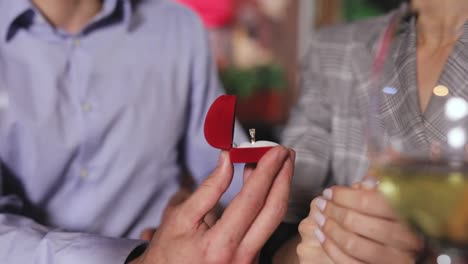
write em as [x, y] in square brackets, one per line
[432, 197]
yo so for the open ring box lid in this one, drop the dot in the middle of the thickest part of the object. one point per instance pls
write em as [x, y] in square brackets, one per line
[219, 132]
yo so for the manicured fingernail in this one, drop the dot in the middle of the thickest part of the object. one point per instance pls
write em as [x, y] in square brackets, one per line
[328, 194]
[369, 184]
[321, 204]
[319, 235]
[319, 219]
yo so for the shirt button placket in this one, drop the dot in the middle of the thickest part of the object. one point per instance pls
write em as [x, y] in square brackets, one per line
[80, 85]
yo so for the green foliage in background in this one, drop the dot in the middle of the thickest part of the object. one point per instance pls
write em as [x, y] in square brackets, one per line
[245, 82]
[359, 9]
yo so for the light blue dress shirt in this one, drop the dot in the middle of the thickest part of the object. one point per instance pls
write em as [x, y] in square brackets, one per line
[94, 127]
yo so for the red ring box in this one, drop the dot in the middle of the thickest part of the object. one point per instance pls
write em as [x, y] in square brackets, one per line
[219, 132]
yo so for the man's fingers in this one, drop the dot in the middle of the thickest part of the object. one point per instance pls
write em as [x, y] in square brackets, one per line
[211, 218]
[239, 215]
[248, 169]
[205, 198]
[364, 201]
[148, 234]
[272, 213]
[179, 197]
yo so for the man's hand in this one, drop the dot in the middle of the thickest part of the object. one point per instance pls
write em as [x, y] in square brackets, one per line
[179, 197]
[356, 225]
[186, 236]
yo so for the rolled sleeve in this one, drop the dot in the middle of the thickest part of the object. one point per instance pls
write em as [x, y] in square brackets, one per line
[24, 241]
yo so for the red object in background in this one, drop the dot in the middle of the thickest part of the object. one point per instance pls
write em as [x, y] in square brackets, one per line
[214, 13]
[219, 131]
[263, 106]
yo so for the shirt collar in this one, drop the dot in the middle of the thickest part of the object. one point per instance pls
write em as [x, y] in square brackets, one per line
[10, 11]
[112, 11]
[108, 8]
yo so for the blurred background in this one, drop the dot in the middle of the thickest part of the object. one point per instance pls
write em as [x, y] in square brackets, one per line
[257, 45]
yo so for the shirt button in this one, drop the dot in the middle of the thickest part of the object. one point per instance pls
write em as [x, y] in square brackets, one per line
[84, 173]
[76, 42]
[86, 107]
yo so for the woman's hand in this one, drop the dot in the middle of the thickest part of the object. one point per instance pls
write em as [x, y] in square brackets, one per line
[356, 225]
[309, 250]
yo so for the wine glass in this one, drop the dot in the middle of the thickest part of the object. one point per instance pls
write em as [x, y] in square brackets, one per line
[424, 179]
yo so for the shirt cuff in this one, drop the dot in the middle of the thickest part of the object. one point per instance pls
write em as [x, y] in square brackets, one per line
[85, 248]
[138, 251]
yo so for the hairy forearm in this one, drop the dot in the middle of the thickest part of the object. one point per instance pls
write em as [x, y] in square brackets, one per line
[287, 252]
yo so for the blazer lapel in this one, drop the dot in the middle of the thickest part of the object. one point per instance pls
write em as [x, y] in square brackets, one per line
[454, 77]
[400, 111]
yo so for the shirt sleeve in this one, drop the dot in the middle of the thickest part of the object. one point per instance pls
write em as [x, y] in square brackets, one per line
[24, 241]
[308, 133]
[201, 158]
